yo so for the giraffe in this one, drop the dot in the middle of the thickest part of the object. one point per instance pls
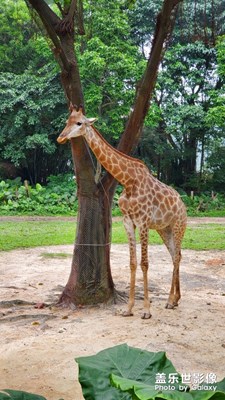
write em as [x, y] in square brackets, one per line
[146, 203]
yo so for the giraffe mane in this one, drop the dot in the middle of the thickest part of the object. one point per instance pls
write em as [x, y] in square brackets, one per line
[117, 151]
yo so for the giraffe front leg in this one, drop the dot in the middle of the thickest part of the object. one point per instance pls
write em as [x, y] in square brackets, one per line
[146, 314]
[144, 266]
[128, 312]
[130, 229]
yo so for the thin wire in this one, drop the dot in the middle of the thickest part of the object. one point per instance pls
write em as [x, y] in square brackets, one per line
[93, 244]
[95, 169]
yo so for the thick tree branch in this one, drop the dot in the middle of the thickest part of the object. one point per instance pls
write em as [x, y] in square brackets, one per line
[51, 22]
[66, 25]
[64, 52]
[147, 84]
[163, 30]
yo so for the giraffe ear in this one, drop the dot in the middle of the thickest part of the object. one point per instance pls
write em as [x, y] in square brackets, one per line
[71, 107]
[92, 120]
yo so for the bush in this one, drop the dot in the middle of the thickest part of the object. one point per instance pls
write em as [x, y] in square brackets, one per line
[57, 198]
[205, 204]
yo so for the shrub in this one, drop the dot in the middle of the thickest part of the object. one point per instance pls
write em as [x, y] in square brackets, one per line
[206, 203]
[57, 198]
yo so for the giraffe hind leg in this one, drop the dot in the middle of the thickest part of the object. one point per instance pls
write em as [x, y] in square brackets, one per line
[175, 295]
[172, 240]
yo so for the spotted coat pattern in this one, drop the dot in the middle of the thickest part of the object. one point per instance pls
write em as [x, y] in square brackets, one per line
[146, 203]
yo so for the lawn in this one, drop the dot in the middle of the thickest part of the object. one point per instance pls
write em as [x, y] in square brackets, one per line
[22, 234]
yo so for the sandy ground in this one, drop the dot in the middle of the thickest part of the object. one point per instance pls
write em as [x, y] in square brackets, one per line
[38, 346]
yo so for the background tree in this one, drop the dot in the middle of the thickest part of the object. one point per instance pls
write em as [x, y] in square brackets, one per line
[215, 120]
[28, 79]
[179, 134]
[167, 142]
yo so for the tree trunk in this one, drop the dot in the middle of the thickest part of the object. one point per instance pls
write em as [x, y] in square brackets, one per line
[90, 280]
[189, 163]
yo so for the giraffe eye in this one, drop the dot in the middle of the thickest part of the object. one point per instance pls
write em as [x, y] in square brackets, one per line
[79, 123]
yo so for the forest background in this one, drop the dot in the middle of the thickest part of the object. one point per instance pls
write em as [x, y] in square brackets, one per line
[183, 140]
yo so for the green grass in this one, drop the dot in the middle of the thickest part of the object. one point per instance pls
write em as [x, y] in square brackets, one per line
[35, 233]
[199, 237]
[55, 255]
[23, 234]
[212, 213]
[205, 237]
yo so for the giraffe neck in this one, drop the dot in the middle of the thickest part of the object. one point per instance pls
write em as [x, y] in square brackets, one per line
[122, 167]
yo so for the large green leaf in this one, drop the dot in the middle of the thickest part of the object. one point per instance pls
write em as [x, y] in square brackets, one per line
[143, 391]
[7, 394]
[123, 361]
[125, 373]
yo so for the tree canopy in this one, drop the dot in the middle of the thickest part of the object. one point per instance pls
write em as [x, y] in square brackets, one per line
[183, 136]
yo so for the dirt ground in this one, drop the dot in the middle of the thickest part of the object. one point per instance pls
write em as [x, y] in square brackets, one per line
[38, 346]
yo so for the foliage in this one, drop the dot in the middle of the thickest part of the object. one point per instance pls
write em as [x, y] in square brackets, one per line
[32, 110]
[184, 129]
[217, 167]
[7, 394]
[189, 94]
[220, 46]
[142, 17]
[215, 119]
[28, 121]
[57, 198]
[133, 372]
[17, 30]
[145, 391]
[206, 202]
[195, 21]
[123, 372]
[183, 88]
[109, 68]
[200, 20]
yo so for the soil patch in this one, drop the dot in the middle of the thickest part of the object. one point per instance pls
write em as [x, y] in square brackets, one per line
[38, 345]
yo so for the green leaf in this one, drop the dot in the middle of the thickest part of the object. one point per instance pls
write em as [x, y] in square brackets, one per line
[7, 394]
[125, 373]
[143, 391]
[140, 390]
[38, 187]
[123, 361]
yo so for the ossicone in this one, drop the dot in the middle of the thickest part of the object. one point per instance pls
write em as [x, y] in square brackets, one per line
[73, 107]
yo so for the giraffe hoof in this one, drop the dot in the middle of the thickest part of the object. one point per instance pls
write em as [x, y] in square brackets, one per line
[127, 314]
[146, 315]
[170, 306]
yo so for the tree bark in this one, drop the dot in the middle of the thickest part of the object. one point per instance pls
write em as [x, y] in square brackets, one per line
[90, 280]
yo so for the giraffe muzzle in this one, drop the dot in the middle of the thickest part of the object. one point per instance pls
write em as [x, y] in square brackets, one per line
[62, 139]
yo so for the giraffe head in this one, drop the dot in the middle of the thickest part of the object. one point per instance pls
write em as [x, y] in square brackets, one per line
[76, 125]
